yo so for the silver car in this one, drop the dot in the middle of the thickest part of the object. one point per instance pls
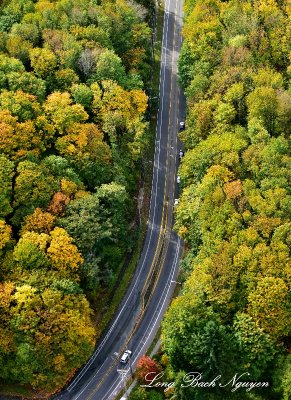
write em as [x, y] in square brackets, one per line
[125, 356]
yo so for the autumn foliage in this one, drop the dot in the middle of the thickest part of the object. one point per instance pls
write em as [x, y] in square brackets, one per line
[40, 221]
[72, 134]
[234, 206]
[147, 369]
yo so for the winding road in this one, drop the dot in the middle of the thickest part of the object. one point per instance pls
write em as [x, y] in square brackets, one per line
[141, 311]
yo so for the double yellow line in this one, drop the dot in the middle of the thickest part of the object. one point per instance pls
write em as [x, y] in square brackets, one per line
[163, 227]
[163, 230]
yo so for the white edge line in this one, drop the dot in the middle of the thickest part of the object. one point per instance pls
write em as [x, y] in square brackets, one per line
[168, 286]
[157, 151]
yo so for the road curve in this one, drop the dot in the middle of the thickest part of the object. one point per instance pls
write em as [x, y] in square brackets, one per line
[140, 313]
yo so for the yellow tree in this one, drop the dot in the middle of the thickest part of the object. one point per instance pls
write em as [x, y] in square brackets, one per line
[268, 305]
[39, 221]
[62, 113]
[5, 236]
[85, 146]
[43, 61]
[63, 254]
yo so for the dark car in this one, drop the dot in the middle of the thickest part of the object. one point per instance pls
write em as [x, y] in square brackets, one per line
[182, 125]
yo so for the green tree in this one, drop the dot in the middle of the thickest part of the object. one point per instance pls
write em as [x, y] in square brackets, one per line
[33, 188]
[193, 337]
[262, 104]
[27, 82]
[27, 31]
[64, 78]
[234, 207]
[29, 253]
[269, 303]
[13, 12]
[109, 67]
[64, 46]
[82, 94]
[21, 105]
[10, 64]
[43, 61]
[282, 377]
[256, 348]
[104, 216]
[40, 321]
[139, 394]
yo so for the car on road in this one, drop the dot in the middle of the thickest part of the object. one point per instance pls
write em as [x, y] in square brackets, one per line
[178, 179]
[182, 125]
[125, 356]
[181, 154]
[176, 201]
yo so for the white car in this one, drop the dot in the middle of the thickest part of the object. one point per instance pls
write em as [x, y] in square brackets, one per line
[182, 125]
[125, 356]
[178, 179]
[181, 154]
[176, 201]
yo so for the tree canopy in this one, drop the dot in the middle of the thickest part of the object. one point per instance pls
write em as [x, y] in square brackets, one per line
[73, 129]
[234, 208]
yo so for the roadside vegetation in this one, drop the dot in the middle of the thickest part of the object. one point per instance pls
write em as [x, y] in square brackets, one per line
[233, 315]
[74, 77]
[234, 210]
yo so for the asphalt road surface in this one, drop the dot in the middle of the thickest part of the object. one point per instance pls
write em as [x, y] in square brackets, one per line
[140, 313]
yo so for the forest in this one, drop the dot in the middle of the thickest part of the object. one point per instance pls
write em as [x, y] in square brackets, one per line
[234, 211]
[233, 315]
[73, 129]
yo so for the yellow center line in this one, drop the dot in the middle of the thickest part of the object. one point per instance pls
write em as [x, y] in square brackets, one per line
[162, 230]
[169, 124]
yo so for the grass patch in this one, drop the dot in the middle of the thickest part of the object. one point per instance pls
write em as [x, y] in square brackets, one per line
[124, 283]
[154, 342]
[109, 311]
[14, 390]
